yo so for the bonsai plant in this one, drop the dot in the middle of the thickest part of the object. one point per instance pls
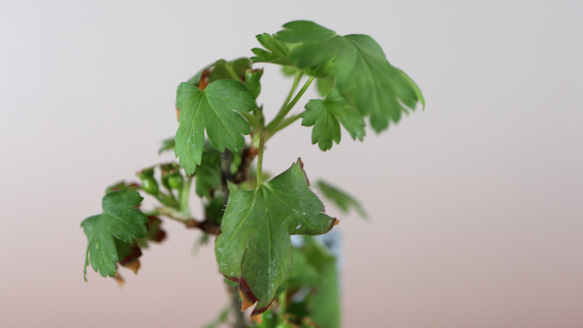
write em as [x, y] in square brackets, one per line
[251, 215]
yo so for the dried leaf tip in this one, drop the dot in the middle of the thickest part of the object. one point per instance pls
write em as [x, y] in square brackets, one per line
[335, 222]
[257, 318]
[204, 79]
[119, 279]
[134, 266]
[246, 303]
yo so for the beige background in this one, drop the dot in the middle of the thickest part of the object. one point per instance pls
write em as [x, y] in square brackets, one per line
[476, 201]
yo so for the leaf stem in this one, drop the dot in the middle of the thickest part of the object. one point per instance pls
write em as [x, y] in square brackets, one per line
[282, 300]
[297, 78]
[166, 199]
[286, 109]
[183, 195]
[171, 195]
[252, 119]
[260, 152]
[173, 214]
[286, 122]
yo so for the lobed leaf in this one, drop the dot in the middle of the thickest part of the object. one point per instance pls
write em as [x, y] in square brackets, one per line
[254, 248]
[120, 220]
[208, 173]
[167, 145]
[341, 199]
[325, 116]
[215, 110]
[323, 304]
[275, 51]
[363, 75]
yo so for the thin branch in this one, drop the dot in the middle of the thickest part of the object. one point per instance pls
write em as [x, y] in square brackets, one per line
[207, 226]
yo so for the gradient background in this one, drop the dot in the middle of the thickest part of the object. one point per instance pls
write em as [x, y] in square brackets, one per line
[476, 202]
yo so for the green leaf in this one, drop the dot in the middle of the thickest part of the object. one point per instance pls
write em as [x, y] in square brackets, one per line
[127, 253]
[363, 75]
[214, 210]
[323, 303]
[301, 31]
[217, 110]
[229, 70]
[254, 248]
[208, 173]
[289, 70]
[325, 85]
[167, 144]
[325, 114]
[253, 81]
[414, 86]
[341, 199]
[240, 65]
[119, 220]
[275, 51]
[122, 185]
[302, 272]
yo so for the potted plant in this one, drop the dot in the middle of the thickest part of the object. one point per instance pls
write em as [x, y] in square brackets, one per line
[220, 145]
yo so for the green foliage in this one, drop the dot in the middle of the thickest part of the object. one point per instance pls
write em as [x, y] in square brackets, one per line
[341, 199]
[208, 173]
[363, 76]
[252, 81]
[167, 145]
[276, 51]
[119, 220]
[251, 215]
[301, 274]
[325, 116]
[324, 303]
[233, 70]
[214, 110]
[254, 248]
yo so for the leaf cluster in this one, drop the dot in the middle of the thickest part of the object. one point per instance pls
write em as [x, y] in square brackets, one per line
[254, 248]
[118, 234]
[356, 79]
[254, 216]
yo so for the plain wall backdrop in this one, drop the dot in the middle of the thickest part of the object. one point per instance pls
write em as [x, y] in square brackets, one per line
[476, 202]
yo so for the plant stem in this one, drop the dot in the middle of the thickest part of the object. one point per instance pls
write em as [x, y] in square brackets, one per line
[293, 89]
[174, 214]
[253, 120]
[171, 196]
[260, 156]
[166, 200]
[183, 195]
[284, 123]
[288, 106]
[282, 300]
